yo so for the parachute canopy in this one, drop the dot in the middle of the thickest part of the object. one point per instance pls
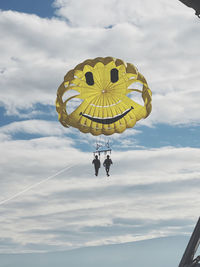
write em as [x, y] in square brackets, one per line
[102, 86]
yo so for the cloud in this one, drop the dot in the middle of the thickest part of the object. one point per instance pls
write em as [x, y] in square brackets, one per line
[76, 209]
[43, 50]
[36, 127]
[146, 188]
[104, 14]
[111, 255]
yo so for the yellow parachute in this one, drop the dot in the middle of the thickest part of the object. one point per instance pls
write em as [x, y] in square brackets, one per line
[103, 85]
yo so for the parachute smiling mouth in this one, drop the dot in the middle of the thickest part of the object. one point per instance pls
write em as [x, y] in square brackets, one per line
[107, 120]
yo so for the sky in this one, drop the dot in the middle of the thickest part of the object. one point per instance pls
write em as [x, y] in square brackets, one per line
[50, 200]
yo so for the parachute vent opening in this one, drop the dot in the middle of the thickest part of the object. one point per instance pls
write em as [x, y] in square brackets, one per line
[69, 94]
[133, 78]
[136, 85]
[136, 96]
[73, 104]
[69, 85]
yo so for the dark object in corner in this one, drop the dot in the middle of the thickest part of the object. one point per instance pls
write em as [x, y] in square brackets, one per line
[195, 4]
[188, 259]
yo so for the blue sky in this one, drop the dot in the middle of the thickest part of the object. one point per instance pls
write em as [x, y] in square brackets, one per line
[153, 190]
[41, 8]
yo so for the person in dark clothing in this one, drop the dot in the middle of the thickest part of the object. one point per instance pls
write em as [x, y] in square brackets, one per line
[106, 164]
[97, 165]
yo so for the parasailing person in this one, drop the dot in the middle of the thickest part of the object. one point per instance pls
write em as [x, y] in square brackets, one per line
[106, 164]
[97, 165]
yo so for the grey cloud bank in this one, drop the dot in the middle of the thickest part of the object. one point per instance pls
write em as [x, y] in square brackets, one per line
[161, 252]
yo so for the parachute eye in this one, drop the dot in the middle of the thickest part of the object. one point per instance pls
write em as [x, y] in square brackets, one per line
[114, 75]
[89, 78]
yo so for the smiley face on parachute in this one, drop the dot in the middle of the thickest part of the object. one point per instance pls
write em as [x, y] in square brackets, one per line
[103, 85]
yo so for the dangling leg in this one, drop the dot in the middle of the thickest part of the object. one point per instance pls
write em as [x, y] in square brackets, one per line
[107, 171]
[96, 171]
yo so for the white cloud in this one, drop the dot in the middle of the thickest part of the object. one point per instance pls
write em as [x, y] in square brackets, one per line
[76, 209]
[105, 13]
[37, 127]
[43, 50]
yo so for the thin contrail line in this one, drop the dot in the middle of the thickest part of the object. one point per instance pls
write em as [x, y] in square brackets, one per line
[34, 185]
